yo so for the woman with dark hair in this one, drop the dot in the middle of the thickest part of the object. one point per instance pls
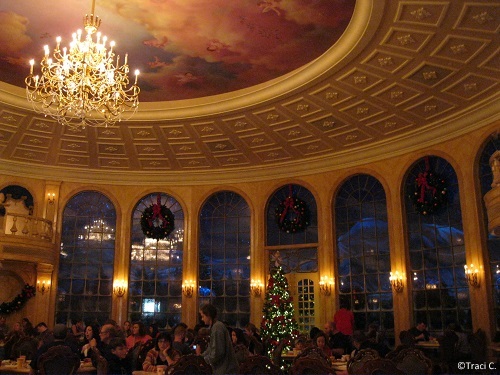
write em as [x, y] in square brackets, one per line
[220, 353]
[153, 330]
[28, 328]
[91, 332]
[161, 354]
[138, 335]
[127, 328]
[240, 344]
[320, 342]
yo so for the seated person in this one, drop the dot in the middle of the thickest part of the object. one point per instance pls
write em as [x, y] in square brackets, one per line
[320, 342]
[118, 364]
[359, 342]
[300, 343]
[419, 332]
[240, 344]
[162, 354]
[337, 341]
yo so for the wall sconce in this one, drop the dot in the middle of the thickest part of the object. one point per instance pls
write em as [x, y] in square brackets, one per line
[43, 286]
[188, 288]
[325, 285]
[119, 288]
[472, 275]
[396, 281]
[51, 198]
[256, 287]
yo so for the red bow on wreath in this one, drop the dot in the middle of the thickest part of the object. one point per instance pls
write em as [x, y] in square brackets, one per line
[289, 202]
[157, 213]
[423, 184]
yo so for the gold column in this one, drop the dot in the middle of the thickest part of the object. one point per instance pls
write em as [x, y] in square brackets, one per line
[44, 282]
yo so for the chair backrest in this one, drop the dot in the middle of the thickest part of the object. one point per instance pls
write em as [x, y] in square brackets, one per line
[58, 360]
[413, 361]
[309, 365]
[380, 366]
[278, 350]
[27, 346]
[259, 364]
[315, 353]
[101, 365]
[142, 352]
[133, 356]
[357, 361]
[190, 364]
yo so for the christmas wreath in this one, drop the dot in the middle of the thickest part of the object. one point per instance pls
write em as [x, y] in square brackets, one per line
[292, 215]
[157, 221]
[428, 193]
[18, 302]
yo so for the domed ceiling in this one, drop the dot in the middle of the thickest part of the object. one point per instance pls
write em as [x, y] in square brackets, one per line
[184, 49]
[252, 88]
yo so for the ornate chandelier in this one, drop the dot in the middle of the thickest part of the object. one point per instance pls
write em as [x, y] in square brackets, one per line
[85, 84]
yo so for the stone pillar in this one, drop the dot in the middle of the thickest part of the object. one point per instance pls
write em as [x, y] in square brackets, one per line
[44, 273]
[492, 197]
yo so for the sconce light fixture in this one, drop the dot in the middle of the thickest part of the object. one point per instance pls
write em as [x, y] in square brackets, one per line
[256, 287]
[119, 288]
[43, 286]
[472, 275]
[51, 198]
[396, 281]
[188, 288]
[325, 285]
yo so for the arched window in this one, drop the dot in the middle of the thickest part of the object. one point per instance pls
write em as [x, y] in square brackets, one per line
[224, 252]
[155, 281]
[86, 259]
[295, 248]
[436, 246]
[363, 257]
[486, 178]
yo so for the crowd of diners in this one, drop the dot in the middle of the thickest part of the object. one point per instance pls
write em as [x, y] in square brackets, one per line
[222, 346]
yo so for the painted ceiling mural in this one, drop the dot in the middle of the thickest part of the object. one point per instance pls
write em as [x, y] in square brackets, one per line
[184, 48]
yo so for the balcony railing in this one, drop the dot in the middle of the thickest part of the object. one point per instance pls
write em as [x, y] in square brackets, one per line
[26, 226]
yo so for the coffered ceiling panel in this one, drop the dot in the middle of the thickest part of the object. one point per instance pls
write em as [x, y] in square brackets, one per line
[275, 87]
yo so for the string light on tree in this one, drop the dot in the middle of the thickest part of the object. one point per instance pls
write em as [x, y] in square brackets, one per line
[278, 321]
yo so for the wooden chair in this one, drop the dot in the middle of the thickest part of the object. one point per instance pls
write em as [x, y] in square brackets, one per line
[101, 365]
[413, 361]
[142, 352]
[58, 360]
[314, 352]
[358, 360]
[309, 365]
[190, 364]
[278, 351]
[259, 364]
[478, 345]
[27, 346]
[380, 366]
[448, 352]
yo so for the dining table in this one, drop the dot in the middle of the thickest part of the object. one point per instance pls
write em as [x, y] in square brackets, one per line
[340, 366]
[11, 367]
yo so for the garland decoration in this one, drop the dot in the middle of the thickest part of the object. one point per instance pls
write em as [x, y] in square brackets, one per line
[157, 221]
[19, 301]
[429, 191]
[292, 214]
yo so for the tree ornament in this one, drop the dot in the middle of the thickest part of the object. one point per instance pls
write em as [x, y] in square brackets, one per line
[157, 221]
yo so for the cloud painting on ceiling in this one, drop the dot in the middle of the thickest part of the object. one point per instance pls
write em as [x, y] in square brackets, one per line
[184, 48]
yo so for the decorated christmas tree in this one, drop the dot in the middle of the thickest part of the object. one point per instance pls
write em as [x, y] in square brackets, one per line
[278, 323]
